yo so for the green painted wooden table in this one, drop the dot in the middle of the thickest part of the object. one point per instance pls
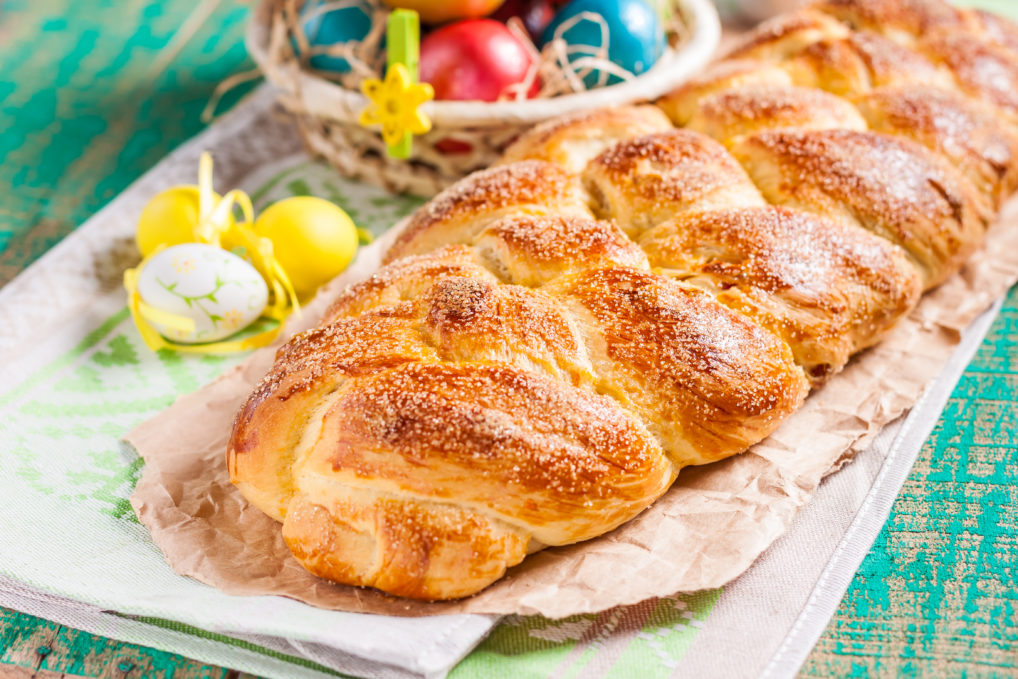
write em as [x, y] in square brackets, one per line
[93, 94]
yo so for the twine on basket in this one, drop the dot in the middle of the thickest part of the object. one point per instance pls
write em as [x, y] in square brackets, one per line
[366, 57]
[554, 66]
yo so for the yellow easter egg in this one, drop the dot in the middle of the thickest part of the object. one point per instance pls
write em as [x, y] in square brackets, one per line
[313, 240]
[169, 219]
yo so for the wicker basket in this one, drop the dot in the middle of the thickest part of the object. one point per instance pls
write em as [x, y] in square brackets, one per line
[327, 113]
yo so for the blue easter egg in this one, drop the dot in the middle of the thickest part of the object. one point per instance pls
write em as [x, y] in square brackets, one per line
[332, 27]
[636, 38]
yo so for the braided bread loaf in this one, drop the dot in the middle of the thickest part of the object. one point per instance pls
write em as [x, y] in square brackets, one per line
[554, 338]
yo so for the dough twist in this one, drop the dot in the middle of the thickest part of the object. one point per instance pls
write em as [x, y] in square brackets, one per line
[554, 338]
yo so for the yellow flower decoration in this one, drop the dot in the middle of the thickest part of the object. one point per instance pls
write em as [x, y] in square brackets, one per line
[232, 319]
[184, 266]
[395, 104]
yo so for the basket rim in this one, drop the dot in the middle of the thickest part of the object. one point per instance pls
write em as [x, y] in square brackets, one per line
[320, 96]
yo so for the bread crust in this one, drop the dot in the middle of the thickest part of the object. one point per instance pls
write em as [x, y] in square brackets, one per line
[643, 181]
[729, 115]
[957, 129]
[828, 289]
[571, 141]
[888, 185]
[456, 215]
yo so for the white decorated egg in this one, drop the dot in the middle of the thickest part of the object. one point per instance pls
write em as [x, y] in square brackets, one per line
[216, 289]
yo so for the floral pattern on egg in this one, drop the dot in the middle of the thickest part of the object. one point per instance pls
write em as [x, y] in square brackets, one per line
[216, 289]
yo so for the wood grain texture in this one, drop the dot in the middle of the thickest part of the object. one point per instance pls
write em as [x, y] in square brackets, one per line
[937, 594]
[91, 96]
[36, 648]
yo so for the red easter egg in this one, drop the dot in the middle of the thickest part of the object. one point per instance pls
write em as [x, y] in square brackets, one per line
[474, 59]
[453, 147]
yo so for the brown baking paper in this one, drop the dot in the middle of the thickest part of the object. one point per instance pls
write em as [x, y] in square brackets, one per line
[709, 528]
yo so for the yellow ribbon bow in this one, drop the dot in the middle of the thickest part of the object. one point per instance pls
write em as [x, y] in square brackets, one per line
[214, 225]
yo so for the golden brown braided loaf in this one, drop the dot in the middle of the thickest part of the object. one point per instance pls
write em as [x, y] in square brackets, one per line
[553, 338]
